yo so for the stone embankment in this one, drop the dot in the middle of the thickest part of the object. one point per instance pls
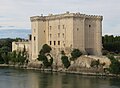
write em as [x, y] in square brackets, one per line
[81, 66]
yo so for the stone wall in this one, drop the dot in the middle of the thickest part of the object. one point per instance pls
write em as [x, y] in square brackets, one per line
[67, 30]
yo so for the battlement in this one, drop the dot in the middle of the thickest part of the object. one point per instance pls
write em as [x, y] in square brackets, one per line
[37, 18]
[65, 15]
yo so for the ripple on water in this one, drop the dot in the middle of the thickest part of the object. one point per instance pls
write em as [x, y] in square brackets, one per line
[16, 78]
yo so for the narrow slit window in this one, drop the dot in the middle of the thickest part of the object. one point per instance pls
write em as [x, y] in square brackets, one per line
[63, 35]
[50, 27]
[50, 35]
[34, 38]
[50, 42]
[58, 35]
[58, 26]
[63, 26]
[89, 26]
[58, 42]
[54, 43]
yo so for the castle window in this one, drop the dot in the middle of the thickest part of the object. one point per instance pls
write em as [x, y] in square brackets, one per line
[58, 42]
[30, 37]
[58, 26]
[34, 38]
[54, 43]
[77, 29]
[58, 35]
[50, 42]
[50, 27]
[89, 25]
[63, 26]
[63, 35]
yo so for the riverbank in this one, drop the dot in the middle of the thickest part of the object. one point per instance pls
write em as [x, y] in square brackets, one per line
[77, 72]
[63, 71]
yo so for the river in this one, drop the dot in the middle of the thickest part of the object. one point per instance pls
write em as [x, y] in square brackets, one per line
[18, 78]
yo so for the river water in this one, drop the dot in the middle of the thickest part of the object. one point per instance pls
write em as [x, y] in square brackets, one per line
[17, 78]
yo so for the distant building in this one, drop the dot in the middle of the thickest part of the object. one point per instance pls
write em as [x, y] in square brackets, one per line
[66, 31]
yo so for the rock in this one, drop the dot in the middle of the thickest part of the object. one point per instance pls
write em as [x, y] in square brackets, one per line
[35, 64]
[85, 62]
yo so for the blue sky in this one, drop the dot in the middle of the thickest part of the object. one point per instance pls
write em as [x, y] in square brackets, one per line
[15, 14]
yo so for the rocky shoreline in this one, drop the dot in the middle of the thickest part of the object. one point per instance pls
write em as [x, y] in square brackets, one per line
[63, 71]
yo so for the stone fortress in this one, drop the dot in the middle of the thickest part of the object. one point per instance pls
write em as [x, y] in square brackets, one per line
[64, 32]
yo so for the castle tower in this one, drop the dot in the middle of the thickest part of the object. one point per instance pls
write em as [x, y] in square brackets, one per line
[38, 35]
[98, 38]
[79, 32]
[67, 31]
[93, 34]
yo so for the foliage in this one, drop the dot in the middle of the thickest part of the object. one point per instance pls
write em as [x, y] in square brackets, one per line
[1, 58]
[105, 52]
[43, 57]
[7, 56]
[4, 54]
[111, 57]
[65, 61]
[62, 52]
[18, 57]
[46, 48]
[7, 42]
[75, 54]
[95, 63]
[13, 57]
[111, 43]
[115, 65]
[22, 56]
[18, 39]
[45, 60]
[51, 61]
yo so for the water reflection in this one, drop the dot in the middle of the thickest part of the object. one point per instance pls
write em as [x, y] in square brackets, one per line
[16, 78]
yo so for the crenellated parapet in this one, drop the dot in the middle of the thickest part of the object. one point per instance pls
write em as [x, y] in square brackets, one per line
[37, 18]
[65, 15]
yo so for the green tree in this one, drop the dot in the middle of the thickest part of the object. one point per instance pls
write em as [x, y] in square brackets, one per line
[43, 57]
[5, 58]
[46, 48]
[13, 57]
[1, 58]
[95, 63]
[23, 56]
[62, 52]
[65, 61]
[75, 54]
[115, 65]
[4, 54]
[111, 43]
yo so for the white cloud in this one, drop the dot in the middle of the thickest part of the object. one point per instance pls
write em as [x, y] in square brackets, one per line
[17, 12]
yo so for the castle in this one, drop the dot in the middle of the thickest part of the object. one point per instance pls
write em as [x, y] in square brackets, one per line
[66, 31]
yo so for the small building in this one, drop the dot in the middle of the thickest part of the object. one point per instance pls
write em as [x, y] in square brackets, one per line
[20, 45]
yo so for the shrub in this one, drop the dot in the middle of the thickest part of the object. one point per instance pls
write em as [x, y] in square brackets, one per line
[65, 61]
[75, 54]
[95, 63]
[46, 48]
[42, 57]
